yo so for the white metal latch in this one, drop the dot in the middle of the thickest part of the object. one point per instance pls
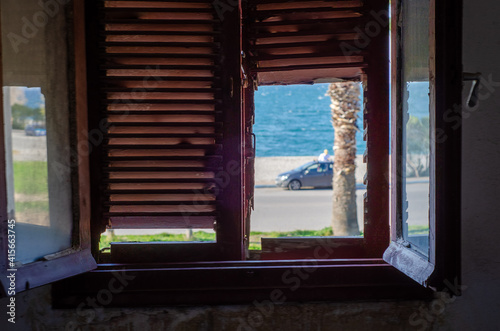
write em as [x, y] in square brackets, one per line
[472, 97]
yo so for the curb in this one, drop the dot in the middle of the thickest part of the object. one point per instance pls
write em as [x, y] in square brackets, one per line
[359, 186]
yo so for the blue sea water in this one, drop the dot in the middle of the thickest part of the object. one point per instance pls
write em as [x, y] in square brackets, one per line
[295, 120]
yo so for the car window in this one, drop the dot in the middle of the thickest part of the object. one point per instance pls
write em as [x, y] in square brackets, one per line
[312, 169]
[302, 167]
[323, 167]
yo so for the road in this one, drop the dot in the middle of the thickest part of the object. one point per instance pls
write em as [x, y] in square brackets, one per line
[310, 209]
[28, 148]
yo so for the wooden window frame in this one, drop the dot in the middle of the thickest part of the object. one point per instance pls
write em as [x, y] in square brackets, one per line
[232, 223]
[442, 266]
[316, 272]
[78, 258]
[322, 276]
[376, 133]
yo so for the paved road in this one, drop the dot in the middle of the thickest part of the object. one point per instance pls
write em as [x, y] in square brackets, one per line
[28, 148]
[281, 210]
[310, 209]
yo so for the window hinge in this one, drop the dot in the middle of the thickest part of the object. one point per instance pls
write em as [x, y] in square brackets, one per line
[244, 79]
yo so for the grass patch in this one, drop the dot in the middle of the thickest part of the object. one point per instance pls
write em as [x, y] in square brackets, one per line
[160, 237]
[204, 236]
[30, 177]
[32, 206]
[418, 229]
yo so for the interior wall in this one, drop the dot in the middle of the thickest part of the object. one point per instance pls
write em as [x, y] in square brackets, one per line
[477, 309]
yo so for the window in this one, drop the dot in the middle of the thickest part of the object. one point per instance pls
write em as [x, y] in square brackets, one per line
[172, 155]
[170, 113]
[427, 59]
[43, 195]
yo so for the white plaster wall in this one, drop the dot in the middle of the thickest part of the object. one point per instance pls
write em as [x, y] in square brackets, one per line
[479, 309]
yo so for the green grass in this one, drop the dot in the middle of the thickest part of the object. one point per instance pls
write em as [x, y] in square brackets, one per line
[30, 177]
[161, 237]
[255, 237]
[418, 229]
[297, 233]
[32, 206]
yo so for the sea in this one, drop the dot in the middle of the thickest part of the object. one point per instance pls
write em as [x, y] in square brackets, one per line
[290, 120]
[295, 120]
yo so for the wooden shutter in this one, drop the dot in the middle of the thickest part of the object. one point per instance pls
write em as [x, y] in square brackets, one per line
[296, 42]
[160, 80]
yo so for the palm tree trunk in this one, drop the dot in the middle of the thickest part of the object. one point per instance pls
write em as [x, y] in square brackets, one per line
[345, 107]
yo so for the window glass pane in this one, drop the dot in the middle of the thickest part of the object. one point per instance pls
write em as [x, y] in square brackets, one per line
[415, 101]
[37, 133]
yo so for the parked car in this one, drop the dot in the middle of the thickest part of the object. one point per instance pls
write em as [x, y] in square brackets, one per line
[314, 174]
[35, 130]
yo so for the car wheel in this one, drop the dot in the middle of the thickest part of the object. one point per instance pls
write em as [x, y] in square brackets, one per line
[294, 185]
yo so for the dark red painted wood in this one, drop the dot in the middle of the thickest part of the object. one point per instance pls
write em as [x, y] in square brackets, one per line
[230, 231]
[446, 238]
[218, 284]
[376, 229]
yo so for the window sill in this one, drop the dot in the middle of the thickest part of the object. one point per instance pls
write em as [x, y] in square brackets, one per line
[238, 283]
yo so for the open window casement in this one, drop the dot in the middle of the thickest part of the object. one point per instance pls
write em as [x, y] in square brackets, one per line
[44, 191]
[426, 84]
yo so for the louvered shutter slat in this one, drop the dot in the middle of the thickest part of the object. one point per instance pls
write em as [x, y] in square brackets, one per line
[158, 63]
[293, 42]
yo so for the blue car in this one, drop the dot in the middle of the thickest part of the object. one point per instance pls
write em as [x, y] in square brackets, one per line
[35, 130]
[311, 174]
